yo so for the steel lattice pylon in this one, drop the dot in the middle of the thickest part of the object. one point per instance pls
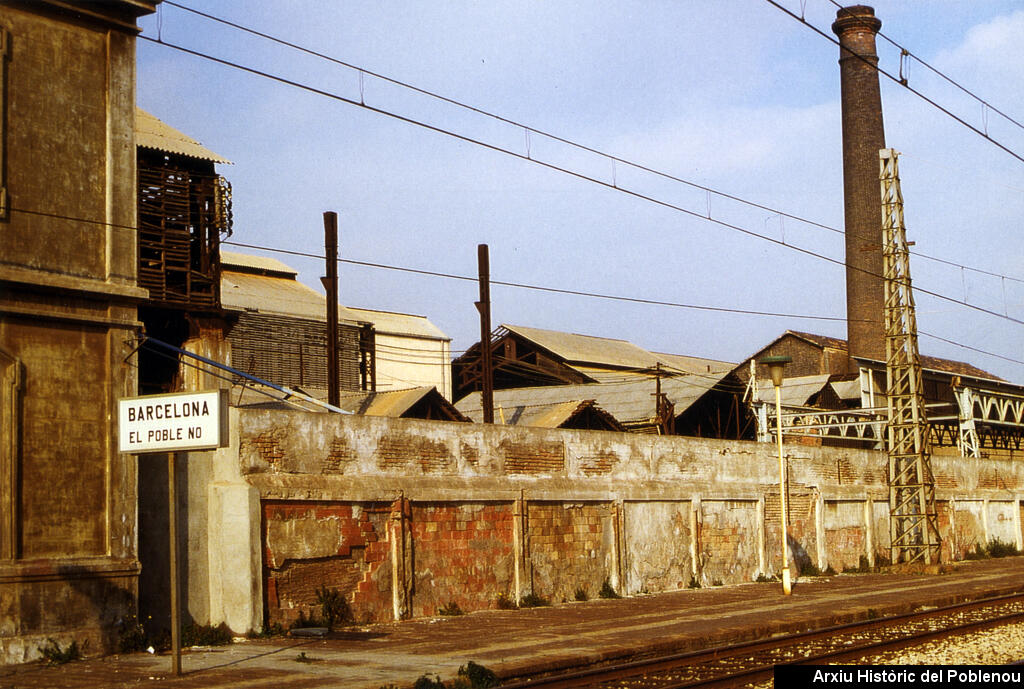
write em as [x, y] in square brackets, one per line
[913, 524]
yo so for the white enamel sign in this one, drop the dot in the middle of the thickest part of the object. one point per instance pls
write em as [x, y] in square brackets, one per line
[180, 421]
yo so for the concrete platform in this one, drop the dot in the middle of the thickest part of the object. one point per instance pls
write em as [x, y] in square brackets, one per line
[518, 642]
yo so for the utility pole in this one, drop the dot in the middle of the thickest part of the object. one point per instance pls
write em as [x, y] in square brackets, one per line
[484, 307]
[913, 522]
[331, 285]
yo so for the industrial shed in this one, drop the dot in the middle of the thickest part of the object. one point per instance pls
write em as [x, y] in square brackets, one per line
[277, 327]
[703, 405]
[831, 397]
[530, 357]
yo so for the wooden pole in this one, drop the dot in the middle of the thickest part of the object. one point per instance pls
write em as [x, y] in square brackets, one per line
[331, 285]
[172, 536]
[484, 307]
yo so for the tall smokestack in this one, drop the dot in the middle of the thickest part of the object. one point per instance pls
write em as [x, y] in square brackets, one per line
[863, 135]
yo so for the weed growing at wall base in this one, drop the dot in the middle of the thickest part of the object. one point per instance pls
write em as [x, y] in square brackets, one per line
[450, 610]
[131, 636]
[505, 602]
[193, 634]
[532, 600]
[53, 654]
[471, 676]
[607, 591]
[333, 607]
[997, 548]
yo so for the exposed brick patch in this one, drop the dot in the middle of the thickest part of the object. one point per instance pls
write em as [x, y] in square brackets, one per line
[568, 547]
[400, 451]
[600, 464]
[339, 458]
[946, 480]
[358, 568]
[991, 480]
[463, 554]
[268, 445]
[470, 453]
[844, 472]
[534, 458]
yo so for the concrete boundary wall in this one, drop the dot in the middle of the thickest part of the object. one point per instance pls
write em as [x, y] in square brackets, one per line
[405, 517]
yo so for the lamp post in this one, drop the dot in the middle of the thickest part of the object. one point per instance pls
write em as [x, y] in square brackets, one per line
[775, 365]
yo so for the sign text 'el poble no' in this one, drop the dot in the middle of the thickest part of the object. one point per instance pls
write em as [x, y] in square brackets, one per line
[179, 421]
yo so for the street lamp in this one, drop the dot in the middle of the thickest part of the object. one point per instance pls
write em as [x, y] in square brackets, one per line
[775, 365]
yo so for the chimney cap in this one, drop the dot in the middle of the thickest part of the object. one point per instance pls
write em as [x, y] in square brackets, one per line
[856, 17]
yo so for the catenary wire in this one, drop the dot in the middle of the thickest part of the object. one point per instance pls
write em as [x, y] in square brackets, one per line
[899, 81]
[942, 75]
[554, 137]
[511, 284]
[532, 287]
[551, 166]
[556, 290]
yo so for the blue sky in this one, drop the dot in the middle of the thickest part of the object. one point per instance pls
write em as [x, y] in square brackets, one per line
[734, 95]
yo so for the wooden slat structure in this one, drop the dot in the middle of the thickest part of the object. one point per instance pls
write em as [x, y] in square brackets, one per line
[184, 208]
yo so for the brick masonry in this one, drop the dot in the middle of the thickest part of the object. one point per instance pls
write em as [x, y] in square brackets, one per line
[570, 548]
[405, 517]
[309, 545]
[462, 554]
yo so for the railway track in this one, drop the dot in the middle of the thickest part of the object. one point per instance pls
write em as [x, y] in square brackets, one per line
[753, 662]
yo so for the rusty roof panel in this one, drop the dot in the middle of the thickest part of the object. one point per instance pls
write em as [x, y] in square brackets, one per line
[628, 402]
[150, 132]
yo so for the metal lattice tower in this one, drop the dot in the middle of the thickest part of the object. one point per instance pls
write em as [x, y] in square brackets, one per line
[913, 524]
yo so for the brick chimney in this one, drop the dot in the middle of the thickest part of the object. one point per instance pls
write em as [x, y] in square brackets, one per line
[863, 136]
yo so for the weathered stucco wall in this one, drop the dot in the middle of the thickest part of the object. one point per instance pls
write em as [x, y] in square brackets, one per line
[405, 517]
[68, 567]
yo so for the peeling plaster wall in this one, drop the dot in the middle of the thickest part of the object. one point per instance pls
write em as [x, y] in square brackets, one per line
[406, 516]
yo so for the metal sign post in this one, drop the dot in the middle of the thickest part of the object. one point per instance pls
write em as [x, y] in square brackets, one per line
[172, 535]
[172, 423]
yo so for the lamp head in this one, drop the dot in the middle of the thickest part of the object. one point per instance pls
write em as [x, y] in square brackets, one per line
[776, 365]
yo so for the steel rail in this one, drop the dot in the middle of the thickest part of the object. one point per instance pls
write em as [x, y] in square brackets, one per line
[635, 670]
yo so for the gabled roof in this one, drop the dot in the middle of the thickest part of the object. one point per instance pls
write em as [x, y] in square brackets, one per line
[795, 392]
[586, 349]
[589, 354]
[152, 133]
[551, 416]
[936, 364]
[628, 401]
[396, 403]
[404, 324]
[693, 364]
[265, 285]
[257, 265]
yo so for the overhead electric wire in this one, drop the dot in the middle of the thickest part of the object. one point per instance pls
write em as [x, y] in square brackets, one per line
[555, 290]
[617, 298]
[899, 81]
[540, 288]
[554, 137]
[552, 166]
[939, 73]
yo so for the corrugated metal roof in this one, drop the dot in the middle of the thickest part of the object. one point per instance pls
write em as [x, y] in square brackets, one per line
[847, 389]
[246, 262]
[543, 417]
[392, 403]
[795, 391]
[152, 133]
[392, 323]
[927, 362]
[628, 401]
[586, 349]
[276, 295]
[693, 364]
